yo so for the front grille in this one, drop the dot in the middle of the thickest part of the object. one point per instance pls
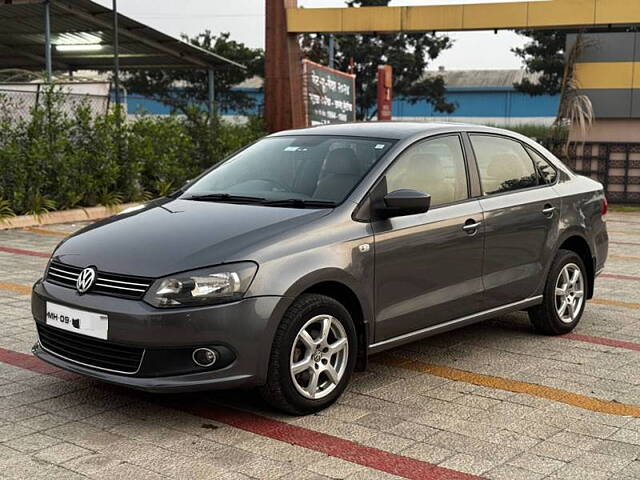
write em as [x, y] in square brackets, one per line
[89, 351]
[113, 284]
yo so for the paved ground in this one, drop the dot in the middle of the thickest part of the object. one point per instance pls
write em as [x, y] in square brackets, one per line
[492, 400]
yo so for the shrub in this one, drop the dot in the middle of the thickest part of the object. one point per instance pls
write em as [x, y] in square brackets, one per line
[65, 156]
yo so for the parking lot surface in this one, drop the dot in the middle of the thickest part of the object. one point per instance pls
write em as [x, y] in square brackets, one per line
[493, 400]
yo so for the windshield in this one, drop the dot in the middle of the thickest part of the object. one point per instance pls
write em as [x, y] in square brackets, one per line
[299, 169]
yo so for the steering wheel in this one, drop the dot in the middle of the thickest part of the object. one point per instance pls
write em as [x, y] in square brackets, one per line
[277, 185]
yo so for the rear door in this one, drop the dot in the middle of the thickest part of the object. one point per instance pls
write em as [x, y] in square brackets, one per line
[520, 213]
[428, 266]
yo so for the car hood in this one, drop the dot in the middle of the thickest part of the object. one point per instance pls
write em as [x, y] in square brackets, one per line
[170, 236]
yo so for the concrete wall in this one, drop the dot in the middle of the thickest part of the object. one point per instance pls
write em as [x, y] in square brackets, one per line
[608, 72]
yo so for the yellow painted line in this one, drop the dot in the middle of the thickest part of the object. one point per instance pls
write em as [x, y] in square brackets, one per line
[498, 383]
[12, 287]
[615, 303]
[43, 231]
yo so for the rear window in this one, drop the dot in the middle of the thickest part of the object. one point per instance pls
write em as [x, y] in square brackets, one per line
[504, 164]
[548, 173]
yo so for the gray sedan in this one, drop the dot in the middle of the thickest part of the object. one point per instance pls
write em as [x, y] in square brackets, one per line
[289, 263]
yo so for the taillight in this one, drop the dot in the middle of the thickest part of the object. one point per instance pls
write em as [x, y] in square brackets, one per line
[605, 207]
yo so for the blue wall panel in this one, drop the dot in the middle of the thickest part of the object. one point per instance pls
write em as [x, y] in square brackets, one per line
[470, 102]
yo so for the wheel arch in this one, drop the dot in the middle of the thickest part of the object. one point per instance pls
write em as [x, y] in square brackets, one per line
[578, 243]
[348, 298]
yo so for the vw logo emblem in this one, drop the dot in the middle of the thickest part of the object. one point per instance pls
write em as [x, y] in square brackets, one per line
[86, 279]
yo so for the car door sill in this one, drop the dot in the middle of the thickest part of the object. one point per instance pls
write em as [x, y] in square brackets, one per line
[452, 324]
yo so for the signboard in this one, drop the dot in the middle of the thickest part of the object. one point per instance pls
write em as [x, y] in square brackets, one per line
[329, 94]
[385, 92]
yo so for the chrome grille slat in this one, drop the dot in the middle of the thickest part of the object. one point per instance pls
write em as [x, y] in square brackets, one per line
[119, 288]
[112, 284]
[145, 285]
[66, 272]
[63, 276]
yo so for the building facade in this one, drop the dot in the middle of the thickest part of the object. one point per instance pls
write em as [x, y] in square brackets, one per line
[480, 96]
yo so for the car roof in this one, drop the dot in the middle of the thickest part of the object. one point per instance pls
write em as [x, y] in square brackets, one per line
[390, 130]
[408, 131]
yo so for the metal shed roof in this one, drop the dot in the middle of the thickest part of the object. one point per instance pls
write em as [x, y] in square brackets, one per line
[483, 78]
[82, 22]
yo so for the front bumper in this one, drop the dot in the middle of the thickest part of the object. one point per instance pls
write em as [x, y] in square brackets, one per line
[243, 329]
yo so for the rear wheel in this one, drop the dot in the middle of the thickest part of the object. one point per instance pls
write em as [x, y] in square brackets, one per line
[313, 356]
[564, 296]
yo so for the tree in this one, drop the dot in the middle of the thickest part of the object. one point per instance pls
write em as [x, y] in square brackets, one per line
[183, 87]
[543, 55]
[407, 53]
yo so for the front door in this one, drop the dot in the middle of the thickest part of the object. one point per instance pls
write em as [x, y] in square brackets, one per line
[521, 211]
[428, 267]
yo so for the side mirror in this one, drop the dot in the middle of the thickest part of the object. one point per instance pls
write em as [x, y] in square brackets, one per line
[404, 202]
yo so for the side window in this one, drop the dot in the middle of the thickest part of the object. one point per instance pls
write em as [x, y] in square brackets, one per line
[548, 173]
[435, 166]
[503, 163]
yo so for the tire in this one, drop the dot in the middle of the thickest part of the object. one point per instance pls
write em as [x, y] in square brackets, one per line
[292, 393]
[549, 317]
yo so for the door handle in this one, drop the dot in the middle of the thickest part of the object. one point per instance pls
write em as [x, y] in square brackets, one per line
[548, 210]
[471, 226]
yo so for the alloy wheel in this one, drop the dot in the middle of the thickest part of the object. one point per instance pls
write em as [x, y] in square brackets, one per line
[569, 293]
[319, 356]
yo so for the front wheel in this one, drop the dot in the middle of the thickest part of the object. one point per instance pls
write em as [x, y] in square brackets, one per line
[564, 296]
[312, 357]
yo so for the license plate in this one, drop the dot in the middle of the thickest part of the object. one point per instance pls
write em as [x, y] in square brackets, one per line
[77, 321]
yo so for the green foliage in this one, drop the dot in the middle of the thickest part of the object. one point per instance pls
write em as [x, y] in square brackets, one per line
[407, 53]
[56, 160]
[539, 132]
[5, 211]
[543, 55]
[161, 83]
[38, 204]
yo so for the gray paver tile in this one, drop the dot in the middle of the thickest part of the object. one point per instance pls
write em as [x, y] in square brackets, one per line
[125, 471]
[92, 463]
[61, 452]
[469, 464]
[32, 443]
[335, 468]
[557, 451]
[13, 431]
[428, 453]
[627, 436]
[537, 463]
[472, 428]
[574, 472]
[604, 463]
[510, 472]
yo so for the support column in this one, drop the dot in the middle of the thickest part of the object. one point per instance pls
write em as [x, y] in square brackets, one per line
[212, 93]
[116, 54]
[283, 103]
[332, 48]
[47, 39]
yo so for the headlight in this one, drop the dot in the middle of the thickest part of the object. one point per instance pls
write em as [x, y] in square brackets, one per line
[206, 286]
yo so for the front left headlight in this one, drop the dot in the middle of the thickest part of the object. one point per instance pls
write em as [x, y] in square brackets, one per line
[207, 286]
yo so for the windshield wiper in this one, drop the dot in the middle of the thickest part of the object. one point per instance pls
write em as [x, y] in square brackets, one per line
[300, 203]
[225, 197]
